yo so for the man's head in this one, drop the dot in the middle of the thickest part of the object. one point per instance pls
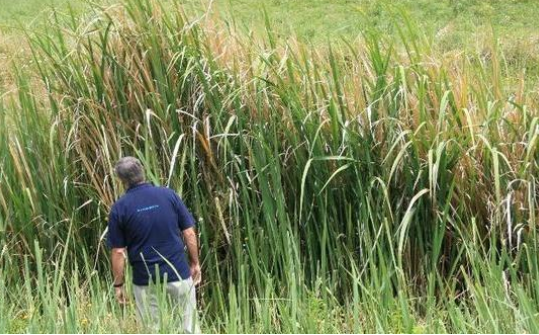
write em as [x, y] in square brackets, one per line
[130, 171]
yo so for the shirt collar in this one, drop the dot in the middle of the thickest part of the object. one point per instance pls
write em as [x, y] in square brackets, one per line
[138, 186]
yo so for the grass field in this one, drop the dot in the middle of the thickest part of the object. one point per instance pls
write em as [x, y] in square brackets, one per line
[461, 20]
[386, 182]
[513, 19]
[27, 11]
[451, 25]
[319, 19]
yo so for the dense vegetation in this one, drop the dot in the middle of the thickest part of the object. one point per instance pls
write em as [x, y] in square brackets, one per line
[373, 185]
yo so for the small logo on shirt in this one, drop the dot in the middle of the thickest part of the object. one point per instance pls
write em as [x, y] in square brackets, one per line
[148, 208]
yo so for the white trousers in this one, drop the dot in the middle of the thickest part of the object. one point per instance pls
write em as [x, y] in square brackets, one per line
[179, 296]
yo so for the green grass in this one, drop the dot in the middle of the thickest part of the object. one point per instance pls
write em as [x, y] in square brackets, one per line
[24, 13]
[452, 25]
[333, 19]
[320, 19]
[382, 184]
[21, 16]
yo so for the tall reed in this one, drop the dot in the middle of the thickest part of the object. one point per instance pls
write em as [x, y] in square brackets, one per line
[370, 185]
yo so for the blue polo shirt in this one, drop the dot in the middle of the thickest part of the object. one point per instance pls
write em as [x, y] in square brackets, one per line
[148, 220]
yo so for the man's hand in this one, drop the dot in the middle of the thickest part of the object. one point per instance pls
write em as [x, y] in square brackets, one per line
[190, 238]
[196, 274]
[121, 296]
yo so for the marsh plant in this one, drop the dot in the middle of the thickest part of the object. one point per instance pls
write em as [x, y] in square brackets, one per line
[369, 185]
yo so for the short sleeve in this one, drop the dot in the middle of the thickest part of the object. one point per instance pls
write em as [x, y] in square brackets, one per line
[116, 237]
[185, 218]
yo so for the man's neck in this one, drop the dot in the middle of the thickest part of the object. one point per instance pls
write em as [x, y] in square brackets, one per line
[135, 185]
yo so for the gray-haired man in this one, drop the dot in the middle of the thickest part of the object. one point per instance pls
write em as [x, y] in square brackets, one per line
[147, 222]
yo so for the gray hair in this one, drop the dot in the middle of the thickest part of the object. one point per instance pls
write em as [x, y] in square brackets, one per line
[129, 170]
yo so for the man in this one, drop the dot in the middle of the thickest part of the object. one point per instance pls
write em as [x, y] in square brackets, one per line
[146, 222]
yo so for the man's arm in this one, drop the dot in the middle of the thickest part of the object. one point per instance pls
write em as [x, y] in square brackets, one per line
[118, 266]
[190, 238]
